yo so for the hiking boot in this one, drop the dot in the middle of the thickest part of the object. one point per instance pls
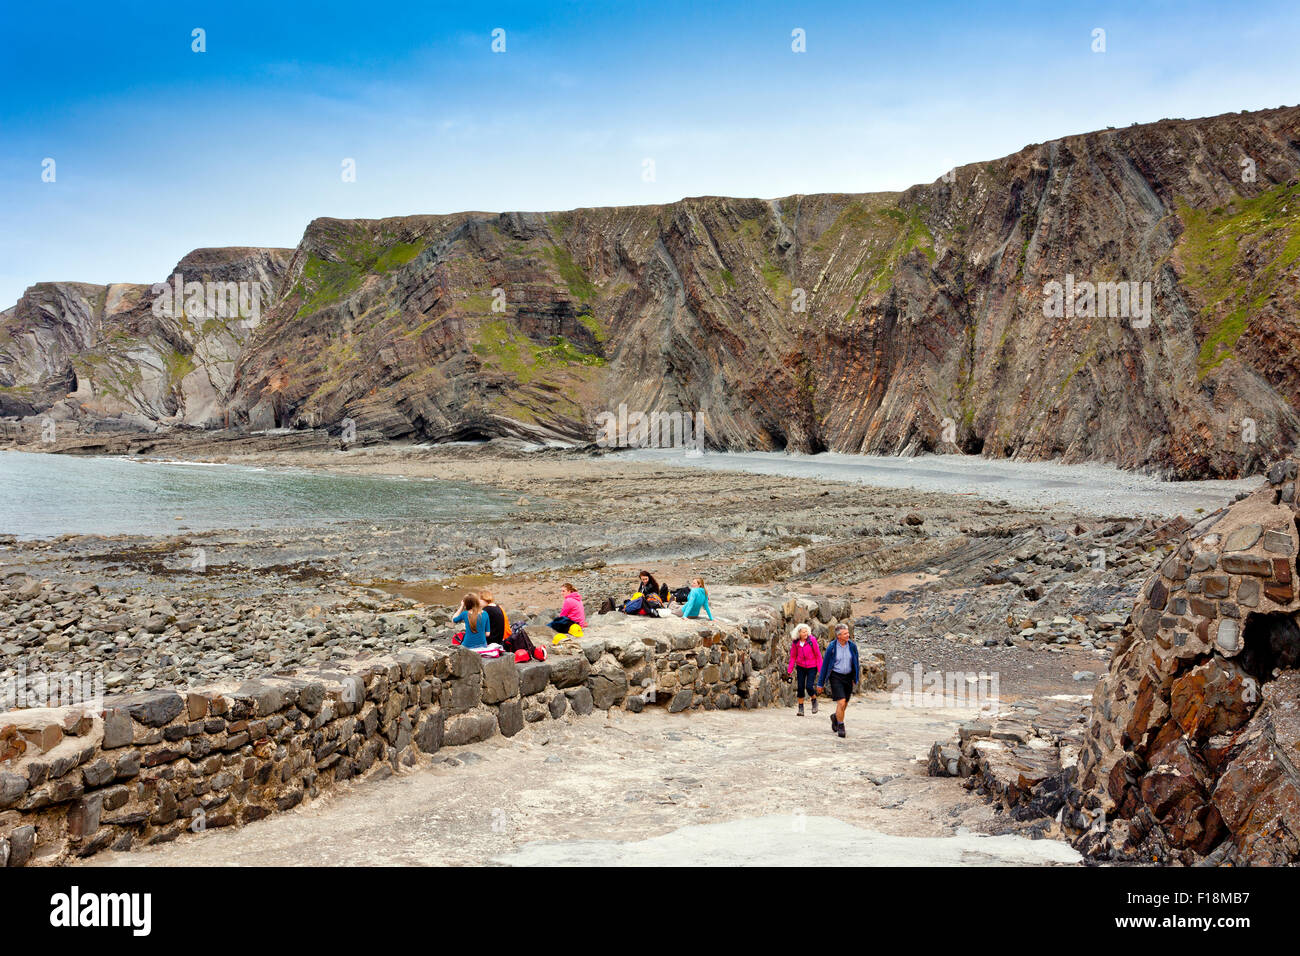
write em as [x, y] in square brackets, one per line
[835, 724]
[814, 705]
[840, 730]
[800, 714]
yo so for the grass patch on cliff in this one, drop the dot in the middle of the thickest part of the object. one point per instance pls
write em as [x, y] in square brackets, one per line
[856, 218]
[906, 232]
[523, 359]
[592, 325]
[776, 279]
[326, 280]
[1233, 255]
[179, 365]
[580, 287]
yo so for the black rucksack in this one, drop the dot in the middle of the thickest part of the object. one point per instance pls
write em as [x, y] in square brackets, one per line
[680, 595]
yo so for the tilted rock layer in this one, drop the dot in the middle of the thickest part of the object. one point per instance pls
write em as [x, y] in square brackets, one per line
[1194, 738]
[888, 322]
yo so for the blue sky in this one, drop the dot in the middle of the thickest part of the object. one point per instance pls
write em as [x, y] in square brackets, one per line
[159, 149]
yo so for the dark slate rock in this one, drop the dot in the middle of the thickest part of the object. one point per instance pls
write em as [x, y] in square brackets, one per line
[580, 700]
[153, 708]
[533, 677]
[568, 670]
[500, 679]
[510, 718]
[117, 728]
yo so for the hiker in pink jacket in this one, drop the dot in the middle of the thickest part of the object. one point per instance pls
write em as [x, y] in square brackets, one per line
[806, 658]
[571, 612]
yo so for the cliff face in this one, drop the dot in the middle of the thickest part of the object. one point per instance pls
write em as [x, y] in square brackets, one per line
[856, 323]
[117, 352]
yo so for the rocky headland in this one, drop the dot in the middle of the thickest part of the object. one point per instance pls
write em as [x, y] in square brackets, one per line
[890, 322]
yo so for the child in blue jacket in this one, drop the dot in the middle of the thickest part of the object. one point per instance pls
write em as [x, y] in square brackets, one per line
[475, 620]
[697, 600]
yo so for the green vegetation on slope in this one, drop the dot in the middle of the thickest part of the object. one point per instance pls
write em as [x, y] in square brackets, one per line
[580, 287]
[525, 360]
[905, 231]
[1215, 246]
[325, 281]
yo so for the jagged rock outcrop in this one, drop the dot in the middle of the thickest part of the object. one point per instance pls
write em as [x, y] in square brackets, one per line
[1191, 749]
[857, 323]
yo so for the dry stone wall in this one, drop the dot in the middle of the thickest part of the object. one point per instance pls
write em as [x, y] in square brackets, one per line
[153, 767]
[1193, 738]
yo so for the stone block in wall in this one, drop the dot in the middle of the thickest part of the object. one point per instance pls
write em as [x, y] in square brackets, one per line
[264, 697]
[83, 816]
[311, 697]
[416, 665]
[469, 728]
[12, 788]
[681, 700]
[875, 674]
[22, 844]
[150, 708]
[592, 648]
[682, 641]
[626, 649]
[462, 695]
[460, 663]
[500, 679]
[607, 683]
[41, 730]
[568, 670]
[533, 677]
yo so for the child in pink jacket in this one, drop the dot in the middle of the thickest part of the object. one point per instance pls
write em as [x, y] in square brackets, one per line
[571, 613]
[806, 658]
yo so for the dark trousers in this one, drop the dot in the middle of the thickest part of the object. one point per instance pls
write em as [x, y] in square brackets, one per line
[841, 686]
[805, 679]
[561, 624]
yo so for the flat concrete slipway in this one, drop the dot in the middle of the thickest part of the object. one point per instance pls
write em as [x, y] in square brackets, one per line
[705, 788]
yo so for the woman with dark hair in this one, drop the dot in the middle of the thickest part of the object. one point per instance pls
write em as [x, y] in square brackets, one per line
[648, 585]
[647, 598]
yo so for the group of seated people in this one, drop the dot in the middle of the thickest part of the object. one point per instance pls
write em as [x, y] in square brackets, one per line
[653, 598]
[487, 628]
[486, 624]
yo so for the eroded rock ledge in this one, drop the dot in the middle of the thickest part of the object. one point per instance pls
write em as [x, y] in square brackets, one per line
[153, 767]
